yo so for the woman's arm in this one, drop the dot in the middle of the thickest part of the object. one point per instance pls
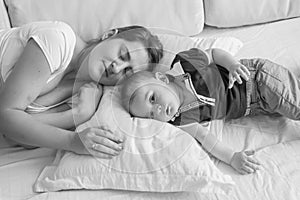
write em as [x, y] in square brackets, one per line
[61, 117]
[226, 60]
[24, 84]
[84, 105]
[22, 87]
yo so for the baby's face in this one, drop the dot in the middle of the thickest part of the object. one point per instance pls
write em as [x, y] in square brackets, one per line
[156, 100]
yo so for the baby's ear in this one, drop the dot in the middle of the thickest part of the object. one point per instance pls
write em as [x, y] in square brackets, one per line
[162, 77]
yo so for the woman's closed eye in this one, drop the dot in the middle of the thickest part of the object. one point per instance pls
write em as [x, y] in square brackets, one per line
[124, 54]
[152, 99]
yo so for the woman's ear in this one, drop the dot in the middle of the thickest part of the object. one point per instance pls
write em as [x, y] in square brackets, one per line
[162, 77]
[109, 34]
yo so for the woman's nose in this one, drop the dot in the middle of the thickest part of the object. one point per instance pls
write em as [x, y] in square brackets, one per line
[119, 66]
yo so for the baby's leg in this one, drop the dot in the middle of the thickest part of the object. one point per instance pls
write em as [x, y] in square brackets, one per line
[278, 90]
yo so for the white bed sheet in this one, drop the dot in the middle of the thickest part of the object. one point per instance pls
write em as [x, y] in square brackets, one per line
[19, 169]
[277, 140]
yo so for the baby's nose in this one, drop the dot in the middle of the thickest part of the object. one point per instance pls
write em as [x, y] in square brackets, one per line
[158, 108]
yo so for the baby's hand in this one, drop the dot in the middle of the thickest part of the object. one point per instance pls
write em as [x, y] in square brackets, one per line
[236, 72]
[244, 163]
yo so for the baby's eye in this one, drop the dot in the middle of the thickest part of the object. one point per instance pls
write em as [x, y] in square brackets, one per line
[113, 64]
[152, 99]
[128, 70]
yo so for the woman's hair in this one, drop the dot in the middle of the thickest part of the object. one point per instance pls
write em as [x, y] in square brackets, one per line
[135, 33]
[131, 85]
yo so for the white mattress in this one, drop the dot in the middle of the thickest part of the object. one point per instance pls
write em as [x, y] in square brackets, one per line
[277, 140]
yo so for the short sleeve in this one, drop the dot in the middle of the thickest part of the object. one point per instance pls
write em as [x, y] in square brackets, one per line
[192, 59]
[57, 41]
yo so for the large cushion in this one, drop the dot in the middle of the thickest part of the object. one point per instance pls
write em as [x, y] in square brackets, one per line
[90, 18]
[157, 157]
[231, 13]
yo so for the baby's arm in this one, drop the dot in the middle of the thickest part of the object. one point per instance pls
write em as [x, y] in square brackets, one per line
[242, 161]
[226, 60]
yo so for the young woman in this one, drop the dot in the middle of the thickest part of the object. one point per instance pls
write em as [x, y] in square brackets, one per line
[39, 64]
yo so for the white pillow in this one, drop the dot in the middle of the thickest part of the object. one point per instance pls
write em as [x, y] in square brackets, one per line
[157, 157]
[231, 13]
[90, 18]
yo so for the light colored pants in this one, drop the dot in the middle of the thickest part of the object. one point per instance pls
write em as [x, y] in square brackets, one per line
[275, 90]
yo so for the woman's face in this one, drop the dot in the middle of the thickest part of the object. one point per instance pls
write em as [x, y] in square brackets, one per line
[112, 60]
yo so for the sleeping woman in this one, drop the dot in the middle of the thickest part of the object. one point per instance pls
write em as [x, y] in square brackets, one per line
[43, 63]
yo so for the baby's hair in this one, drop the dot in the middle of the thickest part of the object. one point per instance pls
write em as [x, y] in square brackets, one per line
[130, 86]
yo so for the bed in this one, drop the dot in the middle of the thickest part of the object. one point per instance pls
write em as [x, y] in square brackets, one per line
[273, 35]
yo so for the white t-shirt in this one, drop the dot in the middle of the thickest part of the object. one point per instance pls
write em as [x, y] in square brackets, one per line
[56, 39]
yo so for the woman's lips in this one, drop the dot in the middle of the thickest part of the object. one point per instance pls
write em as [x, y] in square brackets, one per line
[105, 69]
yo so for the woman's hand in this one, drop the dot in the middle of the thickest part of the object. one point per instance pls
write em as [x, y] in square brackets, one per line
[237, 71]
[86, 103]
[99, 142]
[244, 163]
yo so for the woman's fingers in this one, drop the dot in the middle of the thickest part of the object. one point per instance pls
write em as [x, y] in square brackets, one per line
[98, 139]
[101, 142]
[100, 154]
[99, 148]
[107, 133]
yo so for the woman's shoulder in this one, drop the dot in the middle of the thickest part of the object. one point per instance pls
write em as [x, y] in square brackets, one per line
[50, 28]
[56, 39]
[48, 31]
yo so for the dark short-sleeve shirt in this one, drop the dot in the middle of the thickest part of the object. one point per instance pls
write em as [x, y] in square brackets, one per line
[210, 81]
